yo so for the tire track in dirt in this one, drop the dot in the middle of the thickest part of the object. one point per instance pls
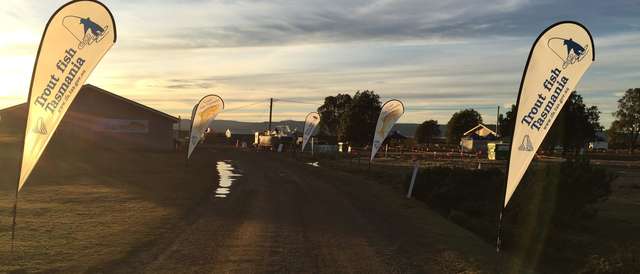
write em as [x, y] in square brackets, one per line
[286, 217]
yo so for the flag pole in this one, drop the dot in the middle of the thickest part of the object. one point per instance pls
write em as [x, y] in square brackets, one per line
[501, 204]
[18, 175]
[13, 224]
[499, 237]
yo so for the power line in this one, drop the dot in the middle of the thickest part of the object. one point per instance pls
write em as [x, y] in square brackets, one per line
[243, 106]
[295, 102]
[431, 108]
[447, 108]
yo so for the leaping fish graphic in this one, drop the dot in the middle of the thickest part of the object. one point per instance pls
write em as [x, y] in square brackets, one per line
[96, 29]
[573, 46]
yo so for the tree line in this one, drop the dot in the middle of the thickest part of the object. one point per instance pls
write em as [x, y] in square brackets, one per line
[353, 119]
[625, 130]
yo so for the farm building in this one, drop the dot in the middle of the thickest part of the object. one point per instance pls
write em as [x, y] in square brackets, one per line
[600, 141]
[104, 118]
[476, 139]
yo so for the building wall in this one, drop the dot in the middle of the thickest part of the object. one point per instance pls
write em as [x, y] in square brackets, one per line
[12, 120]
[93, 110]
[92, 116]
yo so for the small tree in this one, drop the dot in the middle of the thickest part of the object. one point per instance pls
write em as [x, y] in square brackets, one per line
[575, 126]
[427, 131]
[507, 122]
[460, 122]
[628, 116]
[358, 123]
[617, 139]
[331, 112]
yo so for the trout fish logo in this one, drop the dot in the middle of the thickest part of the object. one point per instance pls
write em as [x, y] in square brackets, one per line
[84, 29]
[389, 120]
[208, 112]
[568, 50]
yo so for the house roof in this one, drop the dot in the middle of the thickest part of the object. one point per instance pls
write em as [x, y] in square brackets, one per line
[12, 107]
[134, 103]
[482, 129]
[396, 135]
[117, 97]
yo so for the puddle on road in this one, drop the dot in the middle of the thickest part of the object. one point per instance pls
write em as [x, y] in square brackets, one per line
[315, 164]
[228, 175]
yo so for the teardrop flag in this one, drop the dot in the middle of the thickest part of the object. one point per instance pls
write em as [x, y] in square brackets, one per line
[74, 41]
[557, 61]
[390, 113]
[205, 112]
[310, 124]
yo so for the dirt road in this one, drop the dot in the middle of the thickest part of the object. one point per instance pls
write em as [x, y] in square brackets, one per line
[285, 216]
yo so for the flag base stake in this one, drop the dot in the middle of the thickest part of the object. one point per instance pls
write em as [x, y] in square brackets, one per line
[499, 237]
[13, 224]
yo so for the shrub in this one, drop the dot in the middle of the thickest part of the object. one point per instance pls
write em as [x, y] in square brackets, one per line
[625, 260]
[562, 193]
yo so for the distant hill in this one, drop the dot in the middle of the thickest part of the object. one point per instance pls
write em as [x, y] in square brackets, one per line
[245, 127]
[406, 129]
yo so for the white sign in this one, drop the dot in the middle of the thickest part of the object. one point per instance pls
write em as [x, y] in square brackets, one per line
[391, 112]
[121, 125]
[310, 123]
[558, 59]
[75, 39]
[205, 112]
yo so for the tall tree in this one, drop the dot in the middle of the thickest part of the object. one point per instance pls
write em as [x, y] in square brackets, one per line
[358, 123]
[575, 126]
[460, 122]
[427, 131]
[507, 122]
[616, 136]
[331, 112]
[628, 116]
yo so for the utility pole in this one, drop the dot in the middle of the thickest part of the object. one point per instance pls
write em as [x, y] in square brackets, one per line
[270, 112]
[178, 138]
[498, 122]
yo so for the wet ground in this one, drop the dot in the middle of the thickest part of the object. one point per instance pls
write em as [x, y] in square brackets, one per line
[271, 213]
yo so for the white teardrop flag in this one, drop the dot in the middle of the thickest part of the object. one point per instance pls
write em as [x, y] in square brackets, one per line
[391, 112]
[310, 124]
[557, 61]
[205, 112]
[74, 41]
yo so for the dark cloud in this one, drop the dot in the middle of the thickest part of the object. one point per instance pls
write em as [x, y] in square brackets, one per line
[301, 22]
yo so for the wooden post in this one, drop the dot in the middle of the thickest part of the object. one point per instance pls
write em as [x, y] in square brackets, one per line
[413, 179]
[270, 113]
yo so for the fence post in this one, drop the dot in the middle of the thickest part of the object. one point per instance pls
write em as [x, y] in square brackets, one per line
[413, 179]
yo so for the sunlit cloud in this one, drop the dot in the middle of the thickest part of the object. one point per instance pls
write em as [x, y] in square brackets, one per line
[436, 56]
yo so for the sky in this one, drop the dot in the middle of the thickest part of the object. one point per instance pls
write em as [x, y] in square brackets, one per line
[436, 56]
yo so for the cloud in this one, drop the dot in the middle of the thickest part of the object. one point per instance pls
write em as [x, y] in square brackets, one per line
[278, 23]
[434, 55]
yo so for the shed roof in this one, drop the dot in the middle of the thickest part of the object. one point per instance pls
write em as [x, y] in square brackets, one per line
[480, 130]
[115, 96]
[134, 103]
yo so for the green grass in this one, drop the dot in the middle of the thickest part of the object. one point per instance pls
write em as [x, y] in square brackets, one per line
[86, 206]
[609, 243]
